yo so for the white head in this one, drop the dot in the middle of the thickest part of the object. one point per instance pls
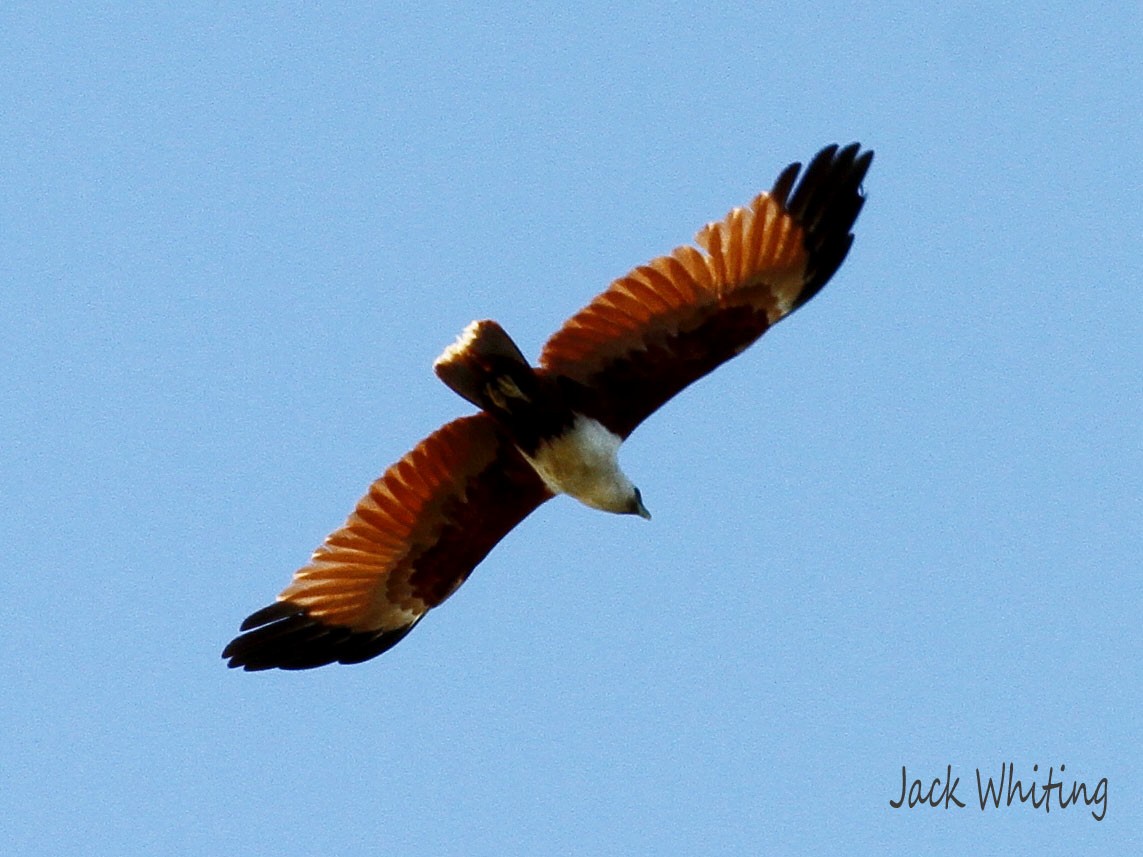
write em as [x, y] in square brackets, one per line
[583, 463]
[617, 495]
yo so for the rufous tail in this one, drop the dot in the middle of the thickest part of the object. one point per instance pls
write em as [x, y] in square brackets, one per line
[485, 366]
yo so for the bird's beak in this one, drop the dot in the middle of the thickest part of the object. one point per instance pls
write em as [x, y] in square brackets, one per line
[641, 510]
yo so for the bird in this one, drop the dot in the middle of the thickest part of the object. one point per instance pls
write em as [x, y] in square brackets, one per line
[555, 428]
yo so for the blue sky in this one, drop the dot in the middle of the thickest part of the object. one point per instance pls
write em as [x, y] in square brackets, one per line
[903, 529]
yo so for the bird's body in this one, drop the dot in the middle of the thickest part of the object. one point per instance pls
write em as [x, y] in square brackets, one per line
[572, 453]
[556, 428]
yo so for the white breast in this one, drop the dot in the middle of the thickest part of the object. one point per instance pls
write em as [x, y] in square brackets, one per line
[583, 463]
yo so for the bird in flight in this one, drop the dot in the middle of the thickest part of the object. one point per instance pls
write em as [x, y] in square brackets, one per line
[555, 429]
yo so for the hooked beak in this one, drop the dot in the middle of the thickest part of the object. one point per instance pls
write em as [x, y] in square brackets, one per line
[640, 509]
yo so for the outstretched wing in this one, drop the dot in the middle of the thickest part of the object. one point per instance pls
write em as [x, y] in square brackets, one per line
[411, 541]
[668, 323]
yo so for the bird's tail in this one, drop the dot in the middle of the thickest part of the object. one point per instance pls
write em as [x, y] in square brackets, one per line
[485, 366]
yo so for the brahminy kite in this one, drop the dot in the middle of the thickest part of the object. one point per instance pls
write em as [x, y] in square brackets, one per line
[556, 428]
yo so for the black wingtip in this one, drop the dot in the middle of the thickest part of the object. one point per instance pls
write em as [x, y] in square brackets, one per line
[277, 610]
[284, 636]
[825, 202]
[785, 183]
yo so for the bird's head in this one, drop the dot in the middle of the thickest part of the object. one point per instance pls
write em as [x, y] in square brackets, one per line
[616, 495]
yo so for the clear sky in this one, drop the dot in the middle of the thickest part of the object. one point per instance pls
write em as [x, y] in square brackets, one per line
[902, 530]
